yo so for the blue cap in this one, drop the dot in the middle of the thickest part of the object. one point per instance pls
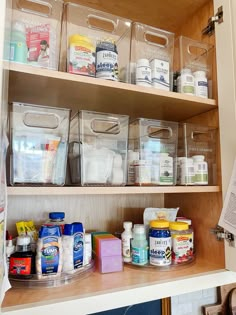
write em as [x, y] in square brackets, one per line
[70, 229]
[56, 215]
[49, 231]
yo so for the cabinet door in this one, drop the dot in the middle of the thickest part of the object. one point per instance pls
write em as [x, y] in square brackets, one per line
[226, 76]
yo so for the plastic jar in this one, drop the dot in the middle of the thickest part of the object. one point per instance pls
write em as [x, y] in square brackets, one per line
[143, 73]
[142, 172]
[201, 84]
[81, 55]
[139, 245]
[185, 82]
[159, 243]
[182, 242]
[200, 170]
[187, 172]
[56, 218]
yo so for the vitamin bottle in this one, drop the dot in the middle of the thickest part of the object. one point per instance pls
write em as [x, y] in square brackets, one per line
[200, 170]
[126, 237]
[166, 169]
[22, 262]
[56, 218]
[201, 84]
[185, 82]
[159, 243]
[182, 242]
[139, 245]
[18, 46]
[143, 73]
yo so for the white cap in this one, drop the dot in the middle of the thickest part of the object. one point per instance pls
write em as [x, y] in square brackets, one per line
[198, 157]
[199, 73]
[139, 228]
[127, 225]
[186, 70]
[23, 240]
[143, 62]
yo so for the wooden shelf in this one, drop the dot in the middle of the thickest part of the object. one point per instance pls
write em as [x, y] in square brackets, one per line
[42, 86]
[99, 292]
[44, 191]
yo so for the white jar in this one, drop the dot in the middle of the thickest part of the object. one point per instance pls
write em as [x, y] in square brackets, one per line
[187, 172]
[142, 171]
[200, 170]
[201, 84]
[143, 73]
[185, 82]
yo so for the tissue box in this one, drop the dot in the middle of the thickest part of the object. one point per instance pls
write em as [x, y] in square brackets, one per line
[110, 264]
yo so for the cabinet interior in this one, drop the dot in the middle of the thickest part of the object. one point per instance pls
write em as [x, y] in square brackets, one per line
[107, 211]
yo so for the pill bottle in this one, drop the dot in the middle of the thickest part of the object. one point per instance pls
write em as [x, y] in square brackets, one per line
[201, 84]
[182, 242]
[142, 172]
[143, 73]
[81, 55]
[178, 179]
[126, 237]
[139, 245]
[18, 46]
[200, 169]
[187, 172]
[56, 218]
[22, 262]
[132, 157]
[166, 169]
[159, 243]
[185, 82]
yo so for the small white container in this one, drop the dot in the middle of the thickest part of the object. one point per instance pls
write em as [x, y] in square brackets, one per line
[185, 82]
[143, 172]
[166, 169]
[160, 70]
[201, 84]
[126, 237]
[201, 170]
[143, 73]
[187, 172]
[87, 249]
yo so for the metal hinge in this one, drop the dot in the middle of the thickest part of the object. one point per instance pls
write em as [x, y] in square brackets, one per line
[221, 234]
[209, 29]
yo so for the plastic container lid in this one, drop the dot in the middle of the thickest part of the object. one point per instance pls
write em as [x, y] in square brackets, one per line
[56, 215]
[70, 229]
[159, 223]
[178, 226]
[127, 225]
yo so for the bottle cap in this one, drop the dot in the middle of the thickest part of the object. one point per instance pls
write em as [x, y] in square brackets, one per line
[198, 157]
[70, 229]
[139, 229]
[159, 223]
[186, 71]
[127, 225]
[178, 226]
[199, 73]
[56, 215]
[143, 63]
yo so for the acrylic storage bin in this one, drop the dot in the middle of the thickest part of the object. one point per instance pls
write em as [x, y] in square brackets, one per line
[193, 67]
[100, 159]
[35, 32]
[96, 43]
[39, 144]
[152, 152]
[196, 162]
[151, 57]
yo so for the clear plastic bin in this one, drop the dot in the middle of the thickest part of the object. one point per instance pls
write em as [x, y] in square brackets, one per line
[152, 152]
[195, 57]
[39, 144]
[101, 157]
[196, 162]
[95, 43]
[35, 32]
[152, 52]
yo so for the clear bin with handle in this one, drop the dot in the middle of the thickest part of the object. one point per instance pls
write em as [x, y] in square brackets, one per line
[36, 32]
[101, 157]
[39, 144]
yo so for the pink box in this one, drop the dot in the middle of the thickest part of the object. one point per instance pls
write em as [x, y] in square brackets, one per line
[110, 264]
[109, 247]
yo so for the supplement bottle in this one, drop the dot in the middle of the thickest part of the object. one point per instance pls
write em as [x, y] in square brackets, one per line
[73, 246]
[166, 169]
[143, 73]
[22, 262]
[187, 172]
[201, 84]
[200, 170]
[159, 243]
[182, 242]
[18, 46]
[87, 249]
[185, 82]
[139, 246]
[56, 218]
[126, 237]
[142, 172]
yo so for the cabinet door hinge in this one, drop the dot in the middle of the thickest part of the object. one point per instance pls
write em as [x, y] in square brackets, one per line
[221, 234]
[209, 29]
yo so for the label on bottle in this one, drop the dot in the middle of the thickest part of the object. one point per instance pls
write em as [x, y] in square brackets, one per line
[143, 76]
[126, 247]
[166, 171]
[182, 247]
[20, 265]
[50, 255]
[78, 250]
[107, 65]
[82, 60]
[139, 255]
[160, 251]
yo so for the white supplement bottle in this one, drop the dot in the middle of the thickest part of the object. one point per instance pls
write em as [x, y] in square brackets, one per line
[185, 82]
[143, 172]
[139, 245]
[187, 172]
[201, 84]
[126, 237]
[166, 169]
[200, 170]
[143, 73]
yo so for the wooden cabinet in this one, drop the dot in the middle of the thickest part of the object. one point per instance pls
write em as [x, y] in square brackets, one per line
[107, 207]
